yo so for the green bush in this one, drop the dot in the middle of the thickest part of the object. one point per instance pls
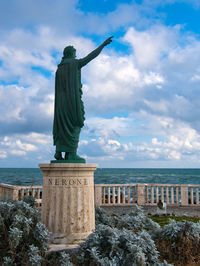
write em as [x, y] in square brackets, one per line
[163, 220]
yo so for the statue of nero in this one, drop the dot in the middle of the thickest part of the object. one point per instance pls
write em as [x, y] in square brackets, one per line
[69, 109]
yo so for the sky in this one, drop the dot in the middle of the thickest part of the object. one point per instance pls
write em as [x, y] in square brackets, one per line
[141, 94]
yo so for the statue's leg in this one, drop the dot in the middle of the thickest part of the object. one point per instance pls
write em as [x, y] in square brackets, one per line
[72, 155]
[58, 155]
[66, 155]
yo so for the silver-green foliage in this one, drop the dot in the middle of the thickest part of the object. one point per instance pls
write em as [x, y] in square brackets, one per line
[101, 217]
[59, 259]
[175, 230]
[180, 242]
[121, 241]
[23, 238]
[111, 246]
[136, 221]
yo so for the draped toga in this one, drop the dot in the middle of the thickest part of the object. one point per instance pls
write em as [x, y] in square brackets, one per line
[69, 109]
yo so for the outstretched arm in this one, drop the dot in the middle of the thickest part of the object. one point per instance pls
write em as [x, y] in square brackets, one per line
[95, 53]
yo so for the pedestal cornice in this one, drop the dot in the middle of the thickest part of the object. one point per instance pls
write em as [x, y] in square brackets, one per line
[68, 166]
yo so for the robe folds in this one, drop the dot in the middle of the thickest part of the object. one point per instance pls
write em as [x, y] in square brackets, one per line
[68, 107]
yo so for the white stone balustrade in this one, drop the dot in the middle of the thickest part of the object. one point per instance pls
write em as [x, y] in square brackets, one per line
[9, 192]
[120, 194]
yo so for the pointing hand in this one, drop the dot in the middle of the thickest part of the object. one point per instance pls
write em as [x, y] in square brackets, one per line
[107, 41]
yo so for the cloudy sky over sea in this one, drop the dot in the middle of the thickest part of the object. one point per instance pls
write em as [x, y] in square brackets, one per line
[141, 95]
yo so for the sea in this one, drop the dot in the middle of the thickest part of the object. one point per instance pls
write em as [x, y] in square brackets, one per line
[33, 176]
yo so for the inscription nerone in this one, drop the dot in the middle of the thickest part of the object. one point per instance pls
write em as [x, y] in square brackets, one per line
[67, 182]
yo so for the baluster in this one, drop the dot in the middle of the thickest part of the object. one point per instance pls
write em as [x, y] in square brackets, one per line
[133, 194]
[18, 194]
[123, 194]
[33, 193]
[167, 194]
[22, 193]
[108, 194]
[104, 195]
[118, 195]
[147, 194]
[162, 193]
[157, 195]
[191, 195]
[38, 193]
[152, 195]
[27, 192]
[197, 195]
[172, 195]
[129, 195]
[177, 195]
[113, 195]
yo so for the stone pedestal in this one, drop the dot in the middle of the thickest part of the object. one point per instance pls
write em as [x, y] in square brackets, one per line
[68, 200]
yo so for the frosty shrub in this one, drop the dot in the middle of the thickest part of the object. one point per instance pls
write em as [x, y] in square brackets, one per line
[101, 217]
[30, 200]
[23, 238]
[58, 259]
[180, 243]
[136, 221]
[111, 246]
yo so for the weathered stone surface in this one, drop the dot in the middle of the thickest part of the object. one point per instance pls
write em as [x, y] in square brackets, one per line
[68, 200]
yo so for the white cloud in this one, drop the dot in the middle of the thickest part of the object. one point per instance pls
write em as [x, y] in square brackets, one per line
[3, 154]
[153, 78]
[34, 137]
[15, 146]
[151, 45]
[25, 146]
[18, 152]
[117, 126]
[116, 83]
[11, 102]
[176, 143]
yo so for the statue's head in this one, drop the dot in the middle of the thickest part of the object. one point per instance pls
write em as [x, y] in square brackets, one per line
[69, 52]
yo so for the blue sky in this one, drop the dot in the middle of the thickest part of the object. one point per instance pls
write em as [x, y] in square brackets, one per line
[141, 95]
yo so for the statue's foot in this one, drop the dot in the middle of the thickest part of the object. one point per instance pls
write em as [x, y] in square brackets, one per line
[58, 156]
[66, 155]
[72, 156]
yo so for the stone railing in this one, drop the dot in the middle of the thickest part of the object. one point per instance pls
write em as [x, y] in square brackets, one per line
[120, 194]
[146, 194]
[9, 192]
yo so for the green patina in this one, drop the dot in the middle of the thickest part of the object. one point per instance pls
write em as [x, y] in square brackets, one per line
[69, 109]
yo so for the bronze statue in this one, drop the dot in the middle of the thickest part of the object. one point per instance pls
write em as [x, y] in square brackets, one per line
[69, 109]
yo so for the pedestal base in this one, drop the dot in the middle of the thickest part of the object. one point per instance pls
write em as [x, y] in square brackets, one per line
[68, 201]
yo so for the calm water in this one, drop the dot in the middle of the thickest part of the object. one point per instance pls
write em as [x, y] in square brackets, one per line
[29, 176]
